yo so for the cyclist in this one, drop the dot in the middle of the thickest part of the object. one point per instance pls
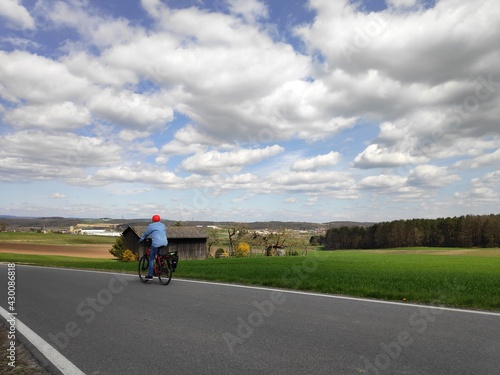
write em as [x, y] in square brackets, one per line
[158, 233]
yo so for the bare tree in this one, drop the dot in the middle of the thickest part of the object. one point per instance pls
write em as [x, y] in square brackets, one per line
[212, 240]
[275, 241]
[235, 233]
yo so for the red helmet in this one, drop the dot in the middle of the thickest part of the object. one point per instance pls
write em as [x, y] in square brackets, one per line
[155, 218]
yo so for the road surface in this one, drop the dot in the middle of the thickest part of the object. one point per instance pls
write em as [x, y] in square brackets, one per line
[105, 323]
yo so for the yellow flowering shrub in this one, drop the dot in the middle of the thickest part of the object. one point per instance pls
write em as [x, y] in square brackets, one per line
[242, 250]
[129, 256]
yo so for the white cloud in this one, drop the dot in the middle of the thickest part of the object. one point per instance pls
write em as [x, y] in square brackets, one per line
[250, 10]
[139, 173]
[316, 162]
[482, 190]
[153, 7]
[376, 156]
[19, 43]
[98, 30]
[131, 135]
[391, 182]
[228, 77]
[402, 3]
[97, 70]
[57, 116]
[50, 82]
[370, 70]
[39, 156]
[306, 181]
[490, 179]
[131, 110]
[57, 196]
[189, 140]
[228, 162]
[431, 175]
[491, 159]
[195, 98]
[17, 15]
[485, 189]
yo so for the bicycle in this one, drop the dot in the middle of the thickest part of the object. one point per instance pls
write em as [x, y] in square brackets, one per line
[164, 264]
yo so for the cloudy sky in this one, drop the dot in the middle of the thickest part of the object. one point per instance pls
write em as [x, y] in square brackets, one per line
[246, 110]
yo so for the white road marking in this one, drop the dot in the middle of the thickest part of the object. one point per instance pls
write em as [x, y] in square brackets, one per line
[56, 358]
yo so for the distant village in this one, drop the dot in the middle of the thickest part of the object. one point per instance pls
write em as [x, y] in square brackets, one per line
[115, 227]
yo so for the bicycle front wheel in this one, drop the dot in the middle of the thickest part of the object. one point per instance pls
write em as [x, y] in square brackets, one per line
[166, 272]
[143, 268]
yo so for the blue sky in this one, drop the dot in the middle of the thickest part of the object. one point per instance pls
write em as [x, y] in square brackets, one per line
[249, 110]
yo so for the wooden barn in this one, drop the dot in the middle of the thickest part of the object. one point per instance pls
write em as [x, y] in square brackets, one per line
[190, 242]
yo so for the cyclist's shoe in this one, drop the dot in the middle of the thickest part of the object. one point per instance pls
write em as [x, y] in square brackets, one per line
[148, 277]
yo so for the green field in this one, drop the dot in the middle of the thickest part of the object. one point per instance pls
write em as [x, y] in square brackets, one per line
[410, 275]
[55, 238]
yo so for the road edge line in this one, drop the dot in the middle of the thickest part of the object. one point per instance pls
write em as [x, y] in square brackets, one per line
[63, 364]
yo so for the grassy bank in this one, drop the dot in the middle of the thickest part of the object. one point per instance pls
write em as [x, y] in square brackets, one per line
[453, 280]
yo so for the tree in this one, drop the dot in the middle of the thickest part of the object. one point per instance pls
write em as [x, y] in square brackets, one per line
[230, 234]
[118, 248]
[275, 241]
[235, 233]
[464, 231]
[212, 240]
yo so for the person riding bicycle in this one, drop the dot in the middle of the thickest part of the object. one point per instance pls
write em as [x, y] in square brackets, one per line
[158, 233]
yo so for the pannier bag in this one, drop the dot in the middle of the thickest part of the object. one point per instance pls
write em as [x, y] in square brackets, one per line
[174, 259]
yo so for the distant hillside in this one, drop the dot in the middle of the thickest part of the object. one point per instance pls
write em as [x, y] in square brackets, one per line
[26, 223]
[338, 224]
[18, 223]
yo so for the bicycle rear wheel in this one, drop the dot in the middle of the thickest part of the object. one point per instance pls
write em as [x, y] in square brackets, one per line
[143, 268]
[166, 272]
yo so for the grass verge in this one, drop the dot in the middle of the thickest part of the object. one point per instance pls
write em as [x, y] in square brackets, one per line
[457, 281]
[25, 363]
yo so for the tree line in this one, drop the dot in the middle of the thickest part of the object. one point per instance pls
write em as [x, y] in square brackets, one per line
[463, 231]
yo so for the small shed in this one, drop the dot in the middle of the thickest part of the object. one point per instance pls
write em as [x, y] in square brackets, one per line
[189, 242]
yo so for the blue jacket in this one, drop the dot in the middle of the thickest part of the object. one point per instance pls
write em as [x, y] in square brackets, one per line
[158, 233]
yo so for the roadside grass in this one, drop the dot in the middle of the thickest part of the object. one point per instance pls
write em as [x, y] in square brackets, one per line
[69, 262]
[477, 252]
[25, 363]
[55, 238]
[457, 281]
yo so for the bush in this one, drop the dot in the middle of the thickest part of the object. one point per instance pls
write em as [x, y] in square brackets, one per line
[129, 256]
[118, 248]
[242, 250]
[118, 251]
[219, 252]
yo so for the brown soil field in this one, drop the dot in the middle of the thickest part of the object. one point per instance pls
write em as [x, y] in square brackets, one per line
[85, 251]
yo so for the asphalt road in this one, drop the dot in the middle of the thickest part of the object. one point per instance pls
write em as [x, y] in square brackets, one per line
[113, 324]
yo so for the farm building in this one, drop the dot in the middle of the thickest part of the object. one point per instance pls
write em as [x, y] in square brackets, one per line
[190, 242]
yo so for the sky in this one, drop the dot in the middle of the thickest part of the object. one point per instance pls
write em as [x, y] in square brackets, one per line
[250, 110]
